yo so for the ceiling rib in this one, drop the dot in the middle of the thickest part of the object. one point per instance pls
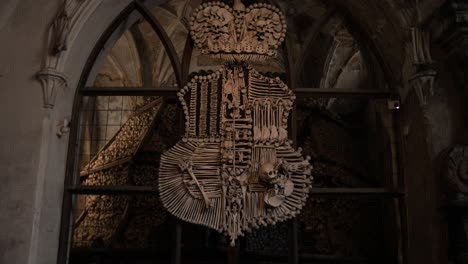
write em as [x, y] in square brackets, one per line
[322, 21]
[166, 41]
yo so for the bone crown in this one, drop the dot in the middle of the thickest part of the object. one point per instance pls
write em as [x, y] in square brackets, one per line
[238, 32]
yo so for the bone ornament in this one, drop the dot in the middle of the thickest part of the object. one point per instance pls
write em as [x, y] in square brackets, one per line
[235, 168]
[278, 183]
[238, 33]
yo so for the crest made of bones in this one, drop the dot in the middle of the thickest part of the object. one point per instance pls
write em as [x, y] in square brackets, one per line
[238, 33]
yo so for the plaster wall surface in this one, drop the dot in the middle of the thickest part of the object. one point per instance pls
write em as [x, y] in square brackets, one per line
[22, 34]
[32, 157]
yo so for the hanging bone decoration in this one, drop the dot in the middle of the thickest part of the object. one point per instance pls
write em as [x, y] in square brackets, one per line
[235, 168]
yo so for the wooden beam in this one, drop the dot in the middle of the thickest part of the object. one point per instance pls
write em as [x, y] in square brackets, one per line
[213, 255]
[176, 256]
[400, 185]
[165, 40]
[330, 93]
[302, 92]
[293, 238]
[293, 257]
[315, 192]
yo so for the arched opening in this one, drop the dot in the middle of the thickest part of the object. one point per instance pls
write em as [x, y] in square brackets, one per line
[126, 116]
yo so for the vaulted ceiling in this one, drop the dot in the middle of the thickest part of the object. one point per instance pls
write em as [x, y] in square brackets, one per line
[363, 39]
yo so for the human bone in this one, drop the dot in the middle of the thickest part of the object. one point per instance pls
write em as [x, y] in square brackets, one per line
[235, 169]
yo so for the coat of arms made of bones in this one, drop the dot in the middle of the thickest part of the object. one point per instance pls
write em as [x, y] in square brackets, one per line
[235, 168]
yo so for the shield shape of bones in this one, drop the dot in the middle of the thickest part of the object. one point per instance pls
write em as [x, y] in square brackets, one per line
[235, 168]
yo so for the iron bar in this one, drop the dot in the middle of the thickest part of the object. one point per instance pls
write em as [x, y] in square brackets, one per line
[315, 192]
[131, 91]
[316, 92]
[172, 91]
[176, 254]
[355, 192]
[113, 190]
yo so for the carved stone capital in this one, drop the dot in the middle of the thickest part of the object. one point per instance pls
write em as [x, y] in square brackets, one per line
[66, 25]
[423, 84]
[425, 74]
[51, 81]
[61, 30]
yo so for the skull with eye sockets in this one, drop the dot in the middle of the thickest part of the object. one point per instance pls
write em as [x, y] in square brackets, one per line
[268, 172]
[238, 9]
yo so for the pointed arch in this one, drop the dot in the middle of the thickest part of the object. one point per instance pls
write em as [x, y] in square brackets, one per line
[166, 41]
[100, 49]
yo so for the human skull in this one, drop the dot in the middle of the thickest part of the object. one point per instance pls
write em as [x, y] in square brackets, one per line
[238, 9]
[218, 29]
[268, 172]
